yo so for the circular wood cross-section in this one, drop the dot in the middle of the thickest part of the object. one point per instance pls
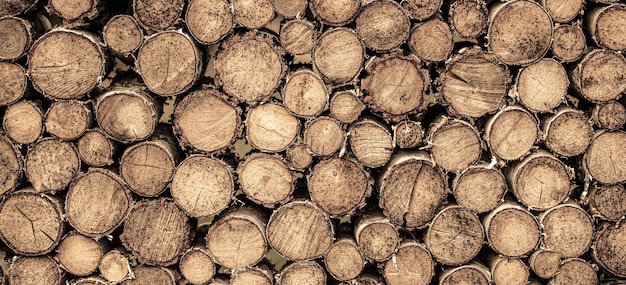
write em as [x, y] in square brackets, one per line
[608, 202]
[545, 263]
[370, 142]
[12, 161]
[408, 134]
[343, 260]
[562, 11]
[30, 223]
[346, 106]
[466, 274]
[568, 132]
[127, 115]
[610, 115]
[206, 121]
[51, 164]
[299, 231]
[299, 156]
[66, 64]
[607, 26]
[169, 63]
[95, 149]
[609, 249]
[479, 188]
[396, 86]
[305, 94]
[402, 269]
[601, 75]
[47, 271]
[252, 275]
[209, 21]
[383, 25]
[431, 41]
[157, 15]
[302, 273]
[542, 86]
[324, 136]
[271, 128]
[510, 271]
[377, 238]
[298, 36]
[265, 179]
[455, 144]
[148, 166]
[575, 271]
[335, 13]
[196, 265]
[252, 14]
[339, 55]
[156, 232]
[520, 32]
[74, 12]
[23, 122]
[605, 160]
[14, 83]
[18, 37]
[115, 266]
[568, 42]
[122, 34]
[511, 230]
[97, 219]
[511, 133]
[249, 67]
[78, 254]
[455, 236]
[339, 186]
[68, 120]
[202, 186]
[567, 230]
[468, 18]
[290, 8]
[149, 275]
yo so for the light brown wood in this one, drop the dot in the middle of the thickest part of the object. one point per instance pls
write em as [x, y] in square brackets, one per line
[93, 280]
[542, 86]
[401, 268]
[95, 149]
[600, 76]
[344, 260]
[468, 18]
[606, 26]
[302, 272]
[169, 62]
[290, 8]
[148, 275]
[271, 128]
[479, 188]
[23, 121]
[609, 250]
[396, 86]
[115, 266]
[13, 166]
[339, 186]
[545, 263]
[474, 83]
[605, 160]
[505, 270]
[74, 13]
[149, 166]
[421, 9]
[540, 181]
[568, 42]
[454, 144]
[97, 219]
[16, 7]
[346, 106]
[512, 230]
[365, 279]
[19, 34]
[408, 134]
[473, 273]
[575, 271]
[305, 94]
[431, 41]
[122, 35]
[266, 179]
[156, 232]
[51, 164]
[30, 223]
[298, 36]
[253, 14]
[563, 11]
[298, 156]
[568, 132]
[520, 32]
[250, 66]
[66, 64]
[371, 142]
[608, 202]
[335, 13]
[237, 240]
[455, 236]
[14, 83]
[41, 270]
[567, 229]
[202, 186]
[377, 238]
[68, 120]
[157, 15]
[511, 133]
[299, 230]
[324, 136]
[412, 189]
[209, 21]
[383, 25]
[252, 275]
[339, 55]
[206, 120]
[79, 255]
[196, 265]
[610, 115]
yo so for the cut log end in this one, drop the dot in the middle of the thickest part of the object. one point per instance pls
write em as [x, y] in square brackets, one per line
[509, 271]
[479, 188]
[78, 254]
[115, 266]
[605, 160]
[455, 144]
[371, 143]
[23, 122]
[408, 134]
[15, 83]
[209, 21]
[346, 106]
[545, 263]
[466, 274]
[512, 231]
[123, 35]
[610, 115]
[68, 120]
[421, 9]
[271, 128]
[51, 164]
[252, 275]
[302, 272]
[377, 238]
[196, 266]
[336, 13]
[455, 236]
[13, 163]
[290, 8]
[575, 269]
[95, 149]
[157, 15]
[468, 18]
[511, 133]
[344, 260]
[542, 86]
[253, 14]
[609, 249]
[567, 230]
[18, 35]
[305, 94]
[568, 43]
[266, 179]
[48, 271]
[563, 11]
[568, 132]
[147, 275]
[600, 76]
[324, 136]
[401, 270]
[605, 26]
[608, 202]
[383, 25]
[74, 12]
[299, 156]
[431, 41]
[298, 36]
[148, 167]
[340, 45]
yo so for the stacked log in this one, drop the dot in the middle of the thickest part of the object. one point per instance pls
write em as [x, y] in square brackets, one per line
[312, 142]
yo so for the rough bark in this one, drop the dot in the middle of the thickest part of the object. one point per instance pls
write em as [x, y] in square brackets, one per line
[455, 236]
[479, 188]
[79, 255]
[512, 230]
[377, 237]
[339, 55]
[542, 86]
[23, 121]
[95, 149]
[266, 179]
[18, 37]
[271, 128]
[209, 21]
[344, 260]
[51, 164]
[68, 120]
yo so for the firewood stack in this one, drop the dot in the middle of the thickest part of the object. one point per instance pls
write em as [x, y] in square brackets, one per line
[312, 142]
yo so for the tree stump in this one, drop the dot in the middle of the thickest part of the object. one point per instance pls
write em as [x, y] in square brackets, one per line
[568, 132]
[600, 76]
[567, 230]
[66, 64]
[335, 13]
[122, 35]
[31, 223]
[540, 181]
[209, 21]
[302, 272]
[346, 106]
[402, 269]
[115, 266]
[19, 34]
[253, 14]
[97, 219]
[568, 42]
[14, 83]
[511, 230]
[299, 230]
[339, 55]
[421, 9]
[605, 160]
[377, 238]
[608, 202]
[157, 15]
[563, 11]
[473, 84]
[370, 142]
[324, 136]
[169, 62]
[23, 122]
[454, 144]
[305, 94]
[396, 86]
[298, 36]
[577, 270]
[205, 120]
[147, 275]
[68, 120]
[520, 32]
[473, 273]
[271, 128]
[408, 134]
[479, 188]
[196, 265]
[542, 86]
[290, 9]
[51, 165]
[149, 166]
[610, 115]
[431, 41]
[609, 250]
[468, 18]
[455, 236]
[511, 133]
[545, 263]
[95, 149]
[344, 260]
[12, 166]
[237, 240]
[79, 255]
[505, 270]
[156, 232]
[250, 67]
[202, 186]
[41, 270]
[265, 179]
[411, 190]
[606, 26]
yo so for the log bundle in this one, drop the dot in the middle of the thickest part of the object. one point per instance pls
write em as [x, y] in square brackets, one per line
[312, 142]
